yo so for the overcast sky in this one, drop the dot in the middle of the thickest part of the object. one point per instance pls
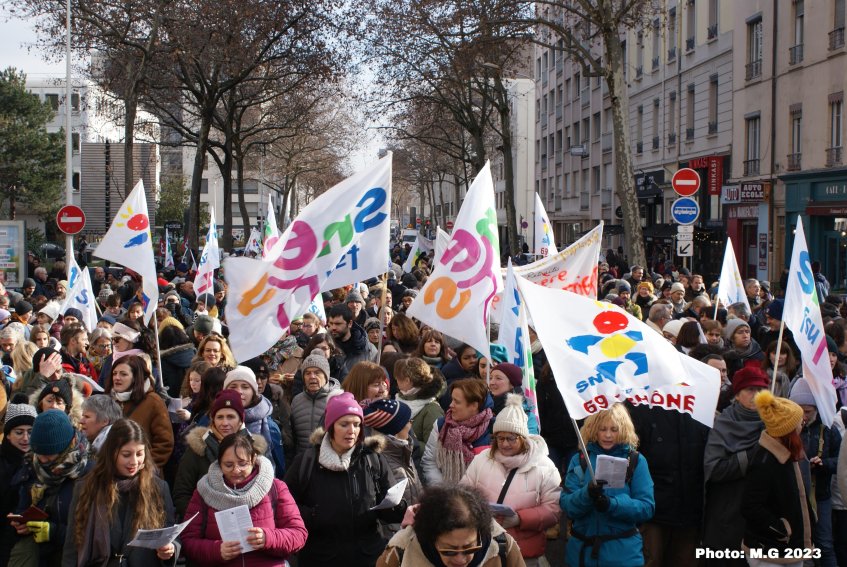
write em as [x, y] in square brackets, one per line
[14, 35]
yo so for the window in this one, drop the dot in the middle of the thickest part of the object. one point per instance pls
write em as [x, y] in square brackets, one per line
[657, 43]
[52, 100]
[566, 188]
[538, 67]
[625, 60]
[544, 106]
[691, 25]
[75, 181]
[754, 49]
[596, 132]
[558, 146]
[713, 104]
[75, 102]
[576, 137]
[537, 110]
[251, 187]
[607, 120]
[639, 55]
[712, 30]
[836, 129]
[204, 186]
[795, 53]
[567, 88]
[537, 150]
[639, 131]
[753, 136]
[576, 86]
[75, 141]
[672, 118]
[655, 118]
[836, 36]
[560, 98]
[586, 129]
[568, 142]
[672, 34]
[689, 113]
[796, 150]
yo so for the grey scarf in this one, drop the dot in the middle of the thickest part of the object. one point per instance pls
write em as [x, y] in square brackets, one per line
[217, 495]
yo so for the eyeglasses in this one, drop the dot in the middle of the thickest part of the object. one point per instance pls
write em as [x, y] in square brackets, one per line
[243, 466]
[466, 551]
[507, 439]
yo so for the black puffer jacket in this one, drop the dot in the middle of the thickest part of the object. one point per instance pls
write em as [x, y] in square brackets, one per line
[175, 362]
[335, 505]
[355, 349]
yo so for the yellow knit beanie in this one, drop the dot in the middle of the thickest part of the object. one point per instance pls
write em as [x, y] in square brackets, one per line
[781, 415]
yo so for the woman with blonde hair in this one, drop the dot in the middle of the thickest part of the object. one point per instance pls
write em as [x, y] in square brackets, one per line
[214, 350]
[605, 520]
[120, 495]
[22, 357]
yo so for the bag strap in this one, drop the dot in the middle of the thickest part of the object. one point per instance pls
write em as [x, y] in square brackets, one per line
[630, 467]
[506, 484]
[502, 548]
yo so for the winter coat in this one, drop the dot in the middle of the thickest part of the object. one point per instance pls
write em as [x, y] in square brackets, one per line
[824, 442]
[120, 532]
[281, 414]
[175, 363]
[775, 503]
[673, 444]
[355, 349]
[283, 527]
[152, 415]
[452, 371]
[534, 493]
[202, 450]
[432, 474]
[628, 507]
[335, 505]
[404, 550]
[425, 411]
[258, 420]
[79, 365]
[307, 411]
[558, 430]
[398, 453]
[11, 467]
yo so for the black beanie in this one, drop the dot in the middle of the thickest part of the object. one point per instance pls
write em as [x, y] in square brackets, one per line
[40, 355]
[61, 388]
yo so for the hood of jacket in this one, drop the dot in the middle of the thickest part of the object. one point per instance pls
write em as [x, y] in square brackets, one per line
[407, 540]
[434, 389]
[375, 442]
[196, 441]
[180, 355]
[357, 343]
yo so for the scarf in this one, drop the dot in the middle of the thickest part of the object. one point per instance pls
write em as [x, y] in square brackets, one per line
[69, 464]
[124, 397]
[521, 459]
[455, 450]
[436, 361]
[219, 496]
[96, 543]
[328, 458]
[415, 405]
[736, 429]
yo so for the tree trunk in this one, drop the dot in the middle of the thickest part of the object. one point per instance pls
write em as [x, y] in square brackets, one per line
[130, 110]
[192, 230]
[624, 182]
[12, 206]
[456, 195]
[508, 166]
[443, 222]
[226, 172]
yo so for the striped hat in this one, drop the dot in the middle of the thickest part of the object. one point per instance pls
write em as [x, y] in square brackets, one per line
[389, 417]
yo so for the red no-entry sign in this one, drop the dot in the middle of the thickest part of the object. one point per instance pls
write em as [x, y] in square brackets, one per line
[70, 219]
[685, 182]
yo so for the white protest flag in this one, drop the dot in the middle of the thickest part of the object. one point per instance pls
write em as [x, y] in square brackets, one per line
[253, 242]
[267, 294]
[271, 233]
[422, 246]
[317, 307]
[204, 280]
[544, 243]
[514, 336]
[573, 269]
[80, 293]
[456, 298]
[600, 355]
[128, 242]
[193, 261]
[442, 241]
[169, 256]
[730, 284]
[802, 315]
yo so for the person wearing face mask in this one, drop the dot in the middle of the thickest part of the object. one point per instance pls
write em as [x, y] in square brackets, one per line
[516, 472]
[120, 495]
[335, 483]
[507, 378]
[58, 457]
[241, 476]
[612, 514]
[307, 407]
[17, 430]
[203, 443]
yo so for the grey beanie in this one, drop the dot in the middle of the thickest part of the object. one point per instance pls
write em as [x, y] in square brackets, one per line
[316, 360]
[623, 285]
[354, 296]
[801, 394]
[732, 326]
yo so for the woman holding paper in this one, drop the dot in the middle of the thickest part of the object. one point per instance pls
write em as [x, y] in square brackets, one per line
[242, 477]
[517, 472]
[605, 520]
[120, 495]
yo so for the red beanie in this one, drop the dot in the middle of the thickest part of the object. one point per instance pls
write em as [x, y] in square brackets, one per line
[512, 372]
[227, 399]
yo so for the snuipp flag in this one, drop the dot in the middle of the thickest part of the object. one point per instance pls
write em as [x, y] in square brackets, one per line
[271, 232]
[730, 284]
[128, 242]
[802, 314]
[456, 298]
[601, 355]
[326, 236]
[544, 243]
[204, 281]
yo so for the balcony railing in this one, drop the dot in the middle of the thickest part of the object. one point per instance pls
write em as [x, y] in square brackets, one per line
[793, 162]
[672, 53]
[639, 72]
[836, 39]
[712, 31]
[655, 142]
[689, 133]
[754, 69]
[606, 142]
[795, 54]
[639, 147]
[672, 138]
[583, 201]
[713, 127]
[655, 63]
[834, 156]
[689, 44]
[751, 167]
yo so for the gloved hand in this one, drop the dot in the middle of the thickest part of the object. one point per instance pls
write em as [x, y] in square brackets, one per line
[40, 531]
[601, 503]
[595, 489]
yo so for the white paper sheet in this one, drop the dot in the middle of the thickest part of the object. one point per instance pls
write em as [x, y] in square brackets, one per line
[154, 539]
[501, 509]
[233, 525]
[612, 470]
[393, 496]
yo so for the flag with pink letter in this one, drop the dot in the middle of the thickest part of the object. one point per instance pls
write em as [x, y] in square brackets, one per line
[266, 294]
[544, 242]
[456, 298]
[204, 281]
[271, 232]
[802, 314]
[128, 242]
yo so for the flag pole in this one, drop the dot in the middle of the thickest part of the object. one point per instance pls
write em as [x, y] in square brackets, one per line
[381, 318]
[488, 366]
[776, 355]
[582, 447]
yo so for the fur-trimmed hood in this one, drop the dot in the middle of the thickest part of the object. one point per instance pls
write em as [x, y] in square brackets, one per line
[376, 442]
[77, 398]
[196, 441]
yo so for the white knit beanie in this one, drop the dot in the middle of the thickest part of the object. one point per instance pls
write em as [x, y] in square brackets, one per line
[242, 374]
[512, 418]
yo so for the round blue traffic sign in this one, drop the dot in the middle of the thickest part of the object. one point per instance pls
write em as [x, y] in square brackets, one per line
[685, 210]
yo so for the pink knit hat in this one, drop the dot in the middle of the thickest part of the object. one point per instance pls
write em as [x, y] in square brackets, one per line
[339, 406]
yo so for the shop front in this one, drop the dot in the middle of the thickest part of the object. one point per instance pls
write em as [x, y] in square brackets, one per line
[746, 212]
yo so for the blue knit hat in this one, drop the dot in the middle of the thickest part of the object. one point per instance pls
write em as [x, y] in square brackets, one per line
[52, 433]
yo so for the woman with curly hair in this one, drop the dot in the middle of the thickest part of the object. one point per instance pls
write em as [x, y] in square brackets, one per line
[120, 495]
[419, 386]
[214, 350]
